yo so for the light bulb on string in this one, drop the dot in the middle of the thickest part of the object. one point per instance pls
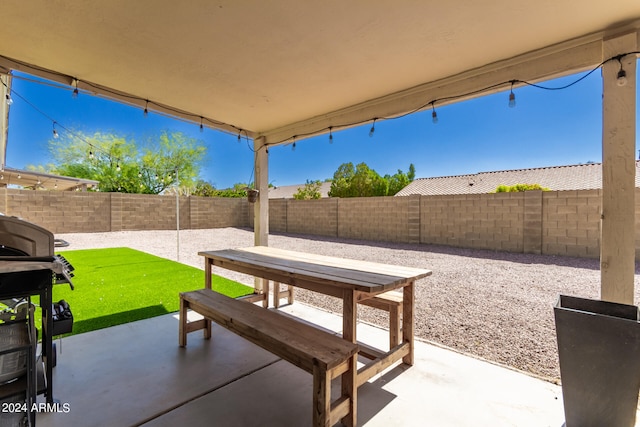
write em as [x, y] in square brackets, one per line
[512, 96]
[75, 92]
[434, 115]
[330, 135]
[118, 167]
[55, 131]
[146, 108]
[239, 137]
[91, 155]
[201, 125]
[621, 78]
[373, 128]
[8, 99]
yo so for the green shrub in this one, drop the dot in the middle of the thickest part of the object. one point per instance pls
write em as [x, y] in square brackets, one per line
[519, 187]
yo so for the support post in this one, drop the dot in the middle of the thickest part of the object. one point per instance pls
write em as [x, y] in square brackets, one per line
[261, 206]
[617, 243]
[4, 118]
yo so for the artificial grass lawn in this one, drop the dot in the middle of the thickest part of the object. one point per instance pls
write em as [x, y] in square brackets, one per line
[121, 285]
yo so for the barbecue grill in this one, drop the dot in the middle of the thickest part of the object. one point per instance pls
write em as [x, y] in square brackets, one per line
[28, 267]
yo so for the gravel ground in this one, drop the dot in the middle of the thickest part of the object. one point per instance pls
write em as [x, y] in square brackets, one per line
[494, 305]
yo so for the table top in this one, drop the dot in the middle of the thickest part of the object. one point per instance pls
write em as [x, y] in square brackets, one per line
[289, 266]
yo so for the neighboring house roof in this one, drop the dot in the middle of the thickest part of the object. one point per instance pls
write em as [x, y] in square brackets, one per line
[287, 191]
[574, 177]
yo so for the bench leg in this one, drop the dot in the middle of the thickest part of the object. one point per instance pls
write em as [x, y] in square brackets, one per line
[321, 397]
[277, 294]
[182, 328]
[350, 391]
[290, 296]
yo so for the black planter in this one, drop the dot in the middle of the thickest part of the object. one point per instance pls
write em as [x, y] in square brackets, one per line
[599, 353]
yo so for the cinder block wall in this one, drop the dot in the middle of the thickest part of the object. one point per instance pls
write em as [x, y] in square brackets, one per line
[209, 212]
[376, 218]
[485, 221]
[318, 217]
[557, 223]
[571, 223]
[58, 210]
[85, 212]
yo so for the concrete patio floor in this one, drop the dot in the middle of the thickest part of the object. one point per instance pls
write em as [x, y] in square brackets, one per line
[135, 374]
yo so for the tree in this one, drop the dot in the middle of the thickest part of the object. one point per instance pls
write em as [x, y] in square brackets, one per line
[311, 190]
[362, 181]
[119, 165]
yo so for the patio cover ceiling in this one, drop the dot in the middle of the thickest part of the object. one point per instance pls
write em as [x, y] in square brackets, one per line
[282, 68]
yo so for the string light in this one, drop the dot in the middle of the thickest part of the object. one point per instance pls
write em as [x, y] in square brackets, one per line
[512, 96]
[91, 155]
[146, 108]
[8, 99]
[239, 137]
[118, 167]
[55, 132]
[621, 78]
[330, 134]
[75, 91]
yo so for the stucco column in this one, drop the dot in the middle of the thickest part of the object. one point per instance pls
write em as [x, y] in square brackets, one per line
[617, 244]
[261, 206]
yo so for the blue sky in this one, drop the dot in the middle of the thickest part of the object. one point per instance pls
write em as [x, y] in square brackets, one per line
[546, 128]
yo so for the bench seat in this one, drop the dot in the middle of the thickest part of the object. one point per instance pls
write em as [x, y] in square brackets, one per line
[322, 354]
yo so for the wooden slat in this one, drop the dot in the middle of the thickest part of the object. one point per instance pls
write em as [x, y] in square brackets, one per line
[252, 298]
[369, 352]
[383, 301]
[372, 267]
[343, 273]
[285, 337]
[331, 288]
[361, 280]
[376, 366]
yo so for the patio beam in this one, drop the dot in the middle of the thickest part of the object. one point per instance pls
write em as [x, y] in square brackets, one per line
[617, 243]
[554, 61]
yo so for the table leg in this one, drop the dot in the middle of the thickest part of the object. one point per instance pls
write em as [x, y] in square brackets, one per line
[265, 293]
[208, 264]
[408, 320]
[349, 381]
[349, 315]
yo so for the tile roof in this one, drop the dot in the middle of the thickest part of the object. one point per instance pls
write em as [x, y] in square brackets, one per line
[287, 191]
[573, 177]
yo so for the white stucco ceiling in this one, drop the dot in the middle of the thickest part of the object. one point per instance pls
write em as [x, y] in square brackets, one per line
[263, 65]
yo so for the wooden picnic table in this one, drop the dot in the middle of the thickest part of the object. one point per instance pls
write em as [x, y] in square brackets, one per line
[347, 279]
